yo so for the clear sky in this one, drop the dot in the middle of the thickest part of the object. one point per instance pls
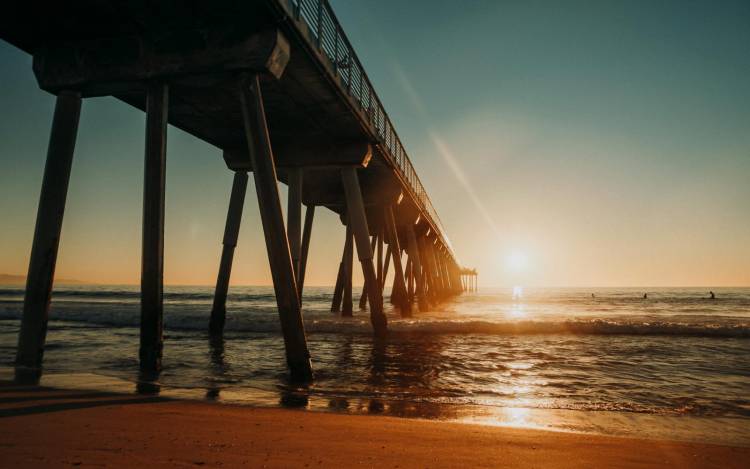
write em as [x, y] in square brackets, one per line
[562, 143]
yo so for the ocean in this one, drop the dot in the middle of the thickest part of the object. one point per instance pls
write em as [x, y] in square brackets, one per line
[674, 365]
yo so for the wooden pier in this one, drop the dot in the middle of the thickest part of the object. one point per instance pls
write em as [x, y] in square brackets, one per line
[276, 85]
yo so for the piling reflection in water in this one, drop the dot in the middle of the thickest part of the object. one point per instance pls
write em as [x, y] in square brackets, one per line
[218, 367]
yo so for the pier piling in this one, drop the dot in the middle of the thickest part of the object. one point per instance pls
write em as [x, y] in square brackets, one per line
[356, 211]
[379, 259]
[277, 244]
[294, 216]
[399, 288]
[152, 260]
[416, 267]
[347, 306]
[306, 234]
[44, 248]
[338, 290]
[231, 233]
[363, 296]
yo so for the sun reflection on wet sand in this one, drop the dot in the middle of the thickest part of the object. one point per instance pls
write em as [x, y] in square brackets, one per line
[517, 416]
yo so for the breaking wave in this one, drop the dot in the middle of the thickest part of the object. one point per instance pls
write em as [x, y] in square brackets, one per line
[265, 320]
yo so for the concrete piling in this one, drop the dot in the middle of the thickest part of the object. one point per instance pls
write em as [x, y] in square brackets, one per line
[152, 259]
[358, 219]
[49, 219]
[306, 235]
[347, 306]
[294, 216]
[399, 289]
[277, 243]
[231, 233]
[416, 265]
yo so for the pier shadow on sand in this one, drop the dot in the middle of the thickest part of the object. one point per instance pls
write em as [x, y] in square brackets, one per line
[39, 400]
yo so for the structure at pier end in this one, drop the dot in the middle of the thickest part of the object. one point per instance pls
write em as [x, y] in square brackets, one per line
[276, 85]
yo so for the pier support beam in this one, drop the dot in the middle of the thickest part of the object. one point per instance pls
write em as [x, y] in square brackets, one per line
[386, 265]
[338, 290]
[439, 275]
[47, 237]
[294, 216]
[306, 234]
[358, 221]
[399, 285]
[379, 261]
[152, 259]
[231, 233]
[409, 282]
[363, 296]
[347, 306]
[416, 267]
[277, 244]
[433, 268]
[428, 279]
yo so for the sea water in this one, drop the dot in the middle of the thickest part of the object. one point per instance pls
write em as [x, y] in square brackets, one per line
[673, 365]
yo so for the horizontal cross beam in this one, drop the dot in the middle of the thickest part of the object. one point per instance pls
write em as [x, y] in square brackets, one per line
[111, 65]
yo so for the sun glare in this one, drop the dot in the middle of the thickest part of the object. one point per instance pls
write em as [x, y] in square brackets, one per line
[517, 261]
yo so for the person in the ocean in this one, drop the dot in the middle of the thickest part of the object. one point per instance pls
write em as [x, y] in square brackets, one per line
[713, 297]
[645, 296]
[593, 296]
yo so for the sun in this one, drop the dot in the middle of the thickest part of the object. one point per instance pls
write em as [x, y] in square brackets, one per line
[517, 261]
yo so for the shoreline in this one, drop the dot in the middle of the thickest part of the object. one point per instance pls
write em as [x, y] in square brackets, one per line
[56, 427]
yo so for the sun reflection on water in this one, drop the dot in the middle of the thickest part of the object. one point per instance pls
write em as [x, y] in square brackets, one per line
[517, 312]
[519, 365]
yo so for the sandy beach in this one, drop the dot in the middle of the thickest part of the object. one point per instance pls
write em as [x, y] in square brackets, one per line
[64, 428]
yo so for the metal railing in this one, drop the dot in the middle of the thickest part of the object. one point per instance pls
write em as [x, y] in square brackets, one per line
[329, 37]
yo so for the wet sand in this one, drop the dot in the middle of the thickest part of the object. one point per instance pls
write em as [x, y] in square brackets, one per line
[64, 428]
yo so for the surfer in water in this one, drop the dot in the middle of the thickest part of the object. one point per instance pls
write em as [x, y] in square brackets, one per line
[712, 296]
[645, 296]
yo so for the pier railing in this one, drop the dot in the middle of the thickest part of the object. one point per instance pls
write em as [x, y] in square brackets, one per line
[330, 39]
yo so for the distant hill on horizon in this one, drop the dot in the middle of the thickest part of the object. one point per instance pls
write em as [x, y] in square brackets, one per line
[9, 279]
